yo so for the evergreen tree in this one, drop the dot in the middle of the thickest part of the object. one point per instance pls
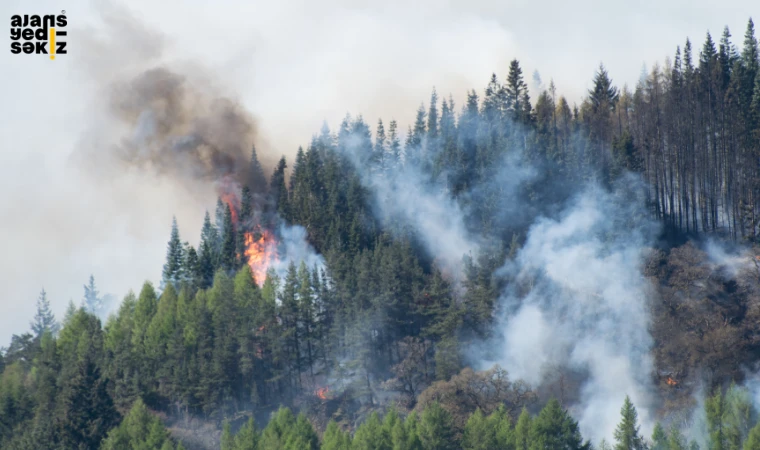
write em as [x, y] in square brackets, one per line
[87, 411]
[522, 431]
[676, 441]
[554, 428]
[716, 411]
[604, 95]
[380, 150]
[139, 430]
[627, 436]
[436, 429]
[753, 440]
[227, 258]
[44, 319]
[208, 256]
[174, 257]
[92, 302]
[659, 438]
[478, 433]
[278, 191]
[334, 438]
[371, 435]
[432, 122]
[257, 180]
[394, 147]
[515, 90]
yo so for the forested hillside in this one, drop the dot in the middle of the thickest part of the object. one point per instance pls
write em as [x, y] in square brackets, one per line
[367, 284]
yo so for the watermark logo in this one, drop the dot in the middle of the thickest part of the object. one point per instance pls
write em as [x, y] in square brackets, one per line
[39, 35]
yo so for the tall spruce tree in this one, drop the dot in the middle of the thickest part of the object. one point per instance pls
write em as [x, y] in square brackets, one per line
[227, 258]
[257, 180]
[174, 257]
[627, 435]
[44, 319]
[92, 302]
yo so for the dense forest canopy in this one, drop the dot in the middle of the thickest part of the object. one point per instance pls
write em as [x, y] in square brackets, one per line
[505, 273]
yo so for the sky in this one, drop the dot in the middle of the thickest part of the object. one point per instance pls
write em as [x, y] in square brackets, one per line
[293, 64]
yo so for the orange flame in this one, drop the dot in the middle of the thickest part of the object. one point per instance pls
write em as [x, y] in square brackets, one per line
[231, 200]
[322, 392]
[261, 253]
[671, 382]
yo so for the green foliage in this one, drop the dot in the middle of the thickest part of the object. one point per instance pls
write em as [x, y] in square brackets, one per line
[44, 319]
[554, 428]
[140, 430]
[435, 428]
[335, 439]
[627, 436]
[215, 345]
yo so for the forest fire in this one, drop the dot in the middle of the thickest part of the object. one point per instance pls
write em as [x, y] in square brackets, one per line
[322, 392]
[261, 252]
[671, 382]
[229, 193]
[231, 200]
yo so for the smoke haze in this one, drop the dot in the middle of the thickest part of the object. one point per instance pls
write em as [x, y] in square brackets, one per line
[578, 301]
[71, 208]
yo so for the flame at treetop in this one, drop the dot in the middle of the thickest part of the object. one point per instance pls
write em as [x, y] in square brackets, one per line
[261, 251]
[229, 192]
[671, 382]
[231, 200]
[322, 392]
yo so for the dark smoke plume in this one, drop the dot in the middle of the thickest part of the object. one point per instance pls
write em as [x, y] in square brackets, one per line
[179, 130]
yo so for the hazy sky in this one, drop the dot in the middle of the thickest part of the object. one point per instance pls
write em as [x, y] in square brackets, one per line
[291, 63]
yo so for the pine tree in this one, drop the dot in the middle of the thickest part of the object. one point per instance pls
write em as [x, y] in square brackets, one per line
[257, 180]
[753, 440]
[138, 430]
[335, 439]
[191, 266]
[87, 411]
[44, 319]
[627, 436]
[659, 438]
[676, 441]
[371, 435]
[208, 256]
[478, 433]
[432, 121]
[227, 258]
[716, 410]
[522, 431]
[174, 257]
[92, 302]
[245, 225]
[604, 95]
[436, 429]
[394, 147]
[514, 91]
[379, 153]
[554, 428]
[418, 134]
[278, 192]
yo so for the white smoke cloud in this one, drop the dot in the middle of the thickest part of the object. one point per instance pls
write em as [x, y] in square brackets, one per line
[402, 196]
[733, 260]
[578, 300]
[294, 248]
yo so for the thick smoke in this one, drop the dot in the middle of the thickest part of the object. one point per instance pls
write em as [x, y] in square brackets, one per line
[180, 130]
[577, 300]
[172, 123]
